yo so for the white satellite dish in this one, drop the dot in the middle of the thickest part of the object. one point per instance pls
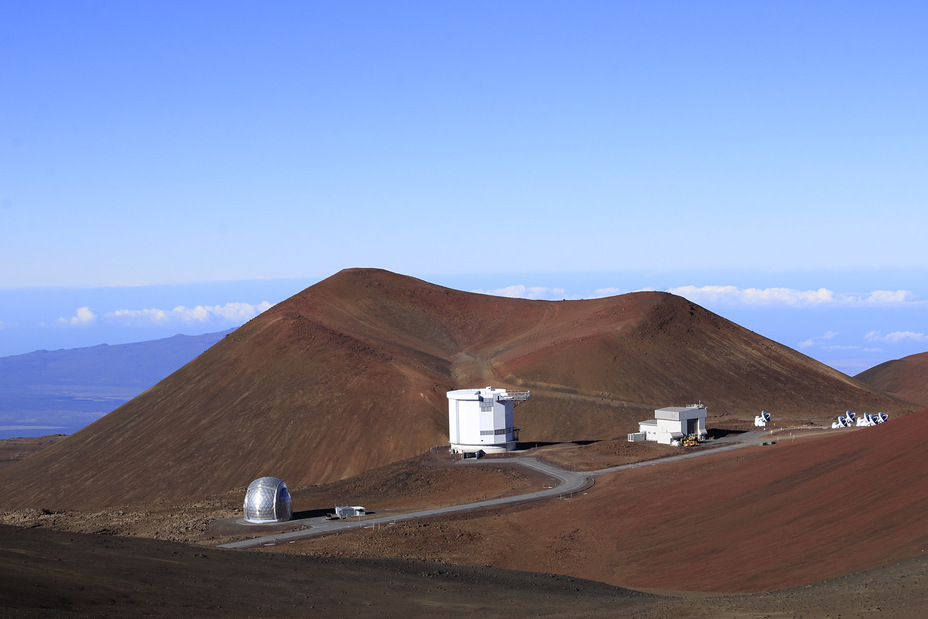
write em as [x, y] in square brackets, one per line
[843, 422]
[880, 417]
[766, 416]
[851, 415]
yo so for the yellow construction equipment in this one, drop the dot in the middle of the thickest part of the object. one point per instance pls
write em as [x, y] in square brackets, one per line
[691, 440]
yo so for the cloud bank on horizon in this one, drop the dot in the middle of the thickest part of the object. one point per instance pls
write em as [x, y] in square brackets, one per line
[896, 337]
[233, 313]
[788, 315]
[56, 318]
[850, 331]
[732, 295]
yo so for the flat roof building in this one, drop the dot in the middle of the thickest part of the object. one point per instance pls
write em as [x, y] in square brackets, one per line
[672, 424]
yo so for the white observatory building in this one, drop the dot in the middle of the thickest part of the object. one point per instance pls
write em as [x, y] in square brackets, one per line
[482, 419]
[672, 424]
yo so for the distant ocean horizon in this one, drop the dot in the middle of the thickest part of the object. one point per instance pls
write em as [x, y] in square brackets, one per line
[60, 392]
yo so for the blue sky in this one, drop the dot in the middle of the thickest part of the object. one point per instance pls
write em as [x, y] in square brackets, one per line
[195, 149]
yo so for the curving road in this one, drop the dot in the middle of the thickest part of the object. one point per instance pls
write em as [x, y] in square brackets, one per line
[569, 482]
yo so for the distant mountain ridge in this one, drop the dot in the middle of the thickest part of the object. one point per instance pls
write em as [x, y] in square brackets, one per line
[67, 389]
[351, 374]
[905, 378]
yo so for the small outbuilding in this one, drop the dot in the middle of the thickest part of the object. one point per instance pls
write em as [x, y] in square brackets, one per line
[482, 419]
[346, 511]
[268, 500]
[672, 424]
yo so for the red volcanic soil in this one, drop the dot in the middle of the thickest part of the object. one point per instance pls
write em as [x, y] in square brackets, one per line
[351, 374]
[45, 573]
[759, 519]
[905, 378]
[668, 525]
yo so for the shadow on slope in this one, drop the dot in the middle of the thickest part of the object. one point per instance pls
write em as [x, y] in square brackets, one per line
[116, 577]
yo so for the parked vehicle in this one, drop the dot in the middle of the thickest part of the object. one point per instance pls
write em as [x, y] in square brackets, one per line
[346, 511]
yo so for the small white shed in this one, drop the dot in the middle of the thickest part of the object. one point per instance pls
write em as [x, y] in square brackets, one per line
[672, 423]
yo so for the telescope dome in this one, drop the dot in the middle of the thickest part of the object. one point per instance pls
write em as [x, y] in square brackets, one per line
[268, 500]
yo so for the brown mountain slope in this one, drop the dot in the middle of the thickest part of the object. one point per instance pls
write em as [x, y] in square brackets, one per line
[759, 519]
[905, 378]
[352, 373]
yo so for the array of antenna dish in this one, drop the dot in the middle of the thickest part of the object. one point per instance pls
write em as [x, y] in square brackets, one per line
[762, 420]
[849, 419]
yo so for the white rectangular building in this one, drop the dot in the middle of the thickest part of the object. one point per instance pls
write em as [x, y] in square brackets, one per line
[672, 424]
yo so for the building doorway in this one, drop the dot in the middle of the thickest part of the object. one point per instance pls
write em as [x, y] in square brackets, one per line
[692, 426]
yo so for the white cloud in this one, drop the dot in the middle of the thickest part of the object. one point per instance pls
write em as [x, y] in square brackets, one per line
[230, 312]
[526, 292]
[896, 337]
[815, 341]
[707, 293]
[732, 295]
[889, 297]
[82, 317]
[611, 292]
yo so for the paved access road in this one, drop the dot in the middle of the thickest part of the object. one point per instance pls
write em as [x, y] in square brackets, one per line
[568, 482]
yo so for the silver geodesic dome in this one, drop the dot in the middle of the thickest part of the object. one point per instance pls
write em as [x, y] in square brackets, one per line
[268, 500]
